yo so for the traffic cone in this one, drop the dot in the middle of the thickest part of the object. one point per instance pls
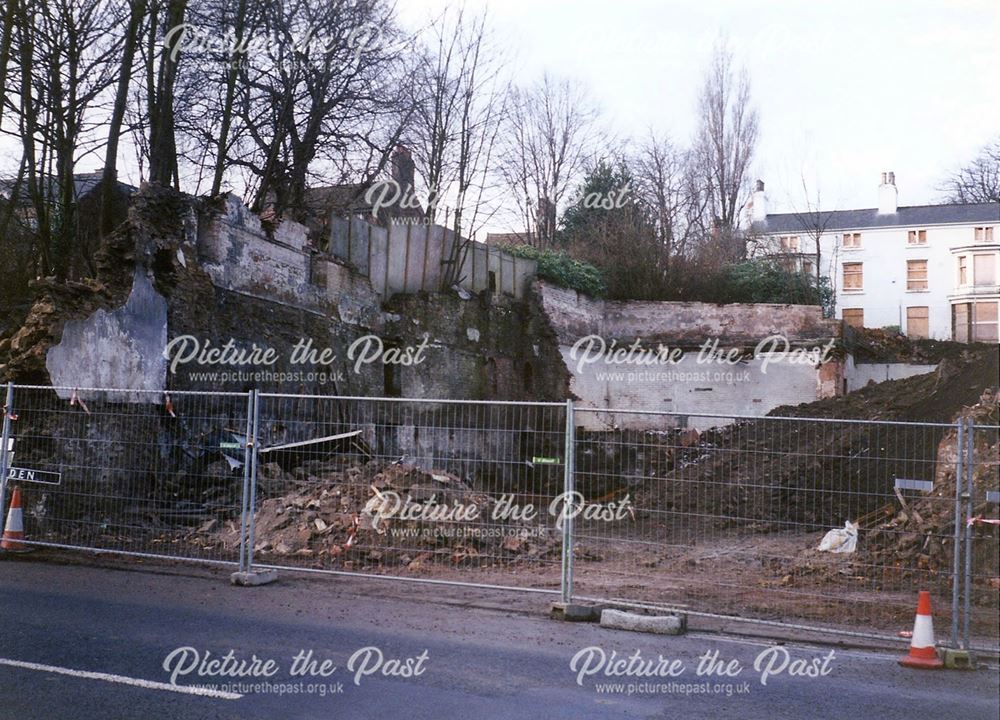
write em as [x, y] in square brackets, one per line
[922, 653]
[13, 531]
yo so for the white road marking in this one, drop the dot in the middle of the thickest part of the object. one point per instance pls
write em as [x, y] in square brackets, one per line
[121, 680]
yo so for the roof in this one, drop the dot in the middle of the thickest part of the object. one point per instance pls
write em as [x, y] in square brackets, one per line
[911, 216]
[83, 185]
[352, 199]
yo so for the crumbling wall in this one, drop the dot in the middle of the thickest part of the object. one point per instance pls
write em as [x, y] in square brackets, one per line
[209, 270]
[690, 383]
[121, 348]
[478, 347]
[682, 324]
[159, 222]
[237, 253]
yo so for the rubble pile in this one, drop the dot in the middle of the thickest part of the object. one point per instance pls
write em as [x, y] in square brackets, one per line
[327, 514]
[919, 532]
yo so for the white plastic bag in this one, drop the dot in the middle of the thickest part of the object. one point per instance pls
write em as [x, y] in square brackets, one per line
[843, 540]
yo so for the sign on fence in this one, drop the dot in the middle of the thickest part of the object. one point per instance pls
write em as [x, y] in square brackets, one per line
[923, 485]
[33, 476]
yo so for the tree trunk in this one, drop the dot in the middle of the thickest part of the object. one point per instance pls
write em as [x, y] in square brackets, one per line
[110, 175]
[162, 144]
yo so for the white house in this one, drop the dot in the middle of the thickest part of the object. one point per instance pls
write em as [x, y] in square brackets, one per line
[930, 270]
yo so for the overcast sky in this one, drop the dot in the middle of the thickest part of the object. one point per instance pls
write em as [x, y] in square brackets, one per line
[845, 89]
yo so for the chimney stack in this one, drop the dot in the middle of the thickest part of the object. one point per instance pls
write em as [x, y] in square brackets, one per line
[403, 167]
[888, 196]
[758, 211]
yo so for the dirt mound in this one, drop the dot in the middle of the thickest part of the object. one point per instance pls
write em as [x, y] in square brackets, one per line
[776, 472]
[397, 515]
[937, 396]
[872, 345]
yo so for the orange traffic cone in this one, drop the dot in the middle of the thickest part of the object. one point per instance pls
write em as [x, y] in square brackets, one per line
[922, 653]
[13, 531]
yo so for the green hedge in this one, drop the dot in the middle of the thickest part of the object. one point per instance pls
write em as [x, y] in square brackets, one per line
[559, 268]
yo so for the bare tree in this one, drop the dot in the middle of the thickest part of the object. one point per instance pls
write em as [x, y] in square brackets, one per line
[67, 54]
[551, 137]
[665, 184]
[323, 102]
[167, 18]
[814, 221]
[977, 182]
[724, 147]
[460, 96]
[6, 40]
[137, 14]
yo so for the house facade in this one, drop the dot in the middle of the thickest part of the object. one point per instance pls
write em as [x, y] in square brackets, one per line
[932, 271]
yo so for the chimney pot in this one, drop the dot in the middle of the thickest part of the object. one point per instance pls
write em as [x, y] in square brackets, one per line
[758, 210]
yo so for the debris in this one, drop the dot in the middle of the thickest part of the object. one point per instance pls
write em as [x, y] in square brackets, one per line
[352, 515]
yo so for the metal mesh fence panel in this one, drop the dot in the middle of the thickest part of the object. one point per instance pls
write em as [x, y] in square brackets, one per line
[130, 471]
[449, 491]
[833, 524]
[728, 515]
[982, 607]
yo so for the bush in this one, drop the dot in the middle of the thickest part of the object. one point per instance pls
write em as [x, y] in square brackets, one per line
[763, 281]
[753, 281]
[560, 269]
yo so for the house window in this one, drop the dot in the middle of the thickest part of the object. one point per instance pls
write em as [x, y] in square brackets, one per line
[789, 243]
[984, 234]
[851, 240]
[916, 274]
[916, 237]
[983, 270]
[984, 322]
[855, 317]
[961, 327]
[853, 276]
[975, 322]
[917, 322]
[808, 267]
[963, 270]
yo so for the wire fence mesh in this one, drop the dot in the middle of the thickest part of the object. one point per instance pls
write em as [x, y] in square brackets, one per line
[982, 597]
[720, 515]
[423, 489]
[129, 471]
[728, 515]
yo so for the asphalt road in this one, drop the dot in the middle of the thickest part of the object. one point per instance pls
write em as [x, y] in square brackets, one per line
[91, 642]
